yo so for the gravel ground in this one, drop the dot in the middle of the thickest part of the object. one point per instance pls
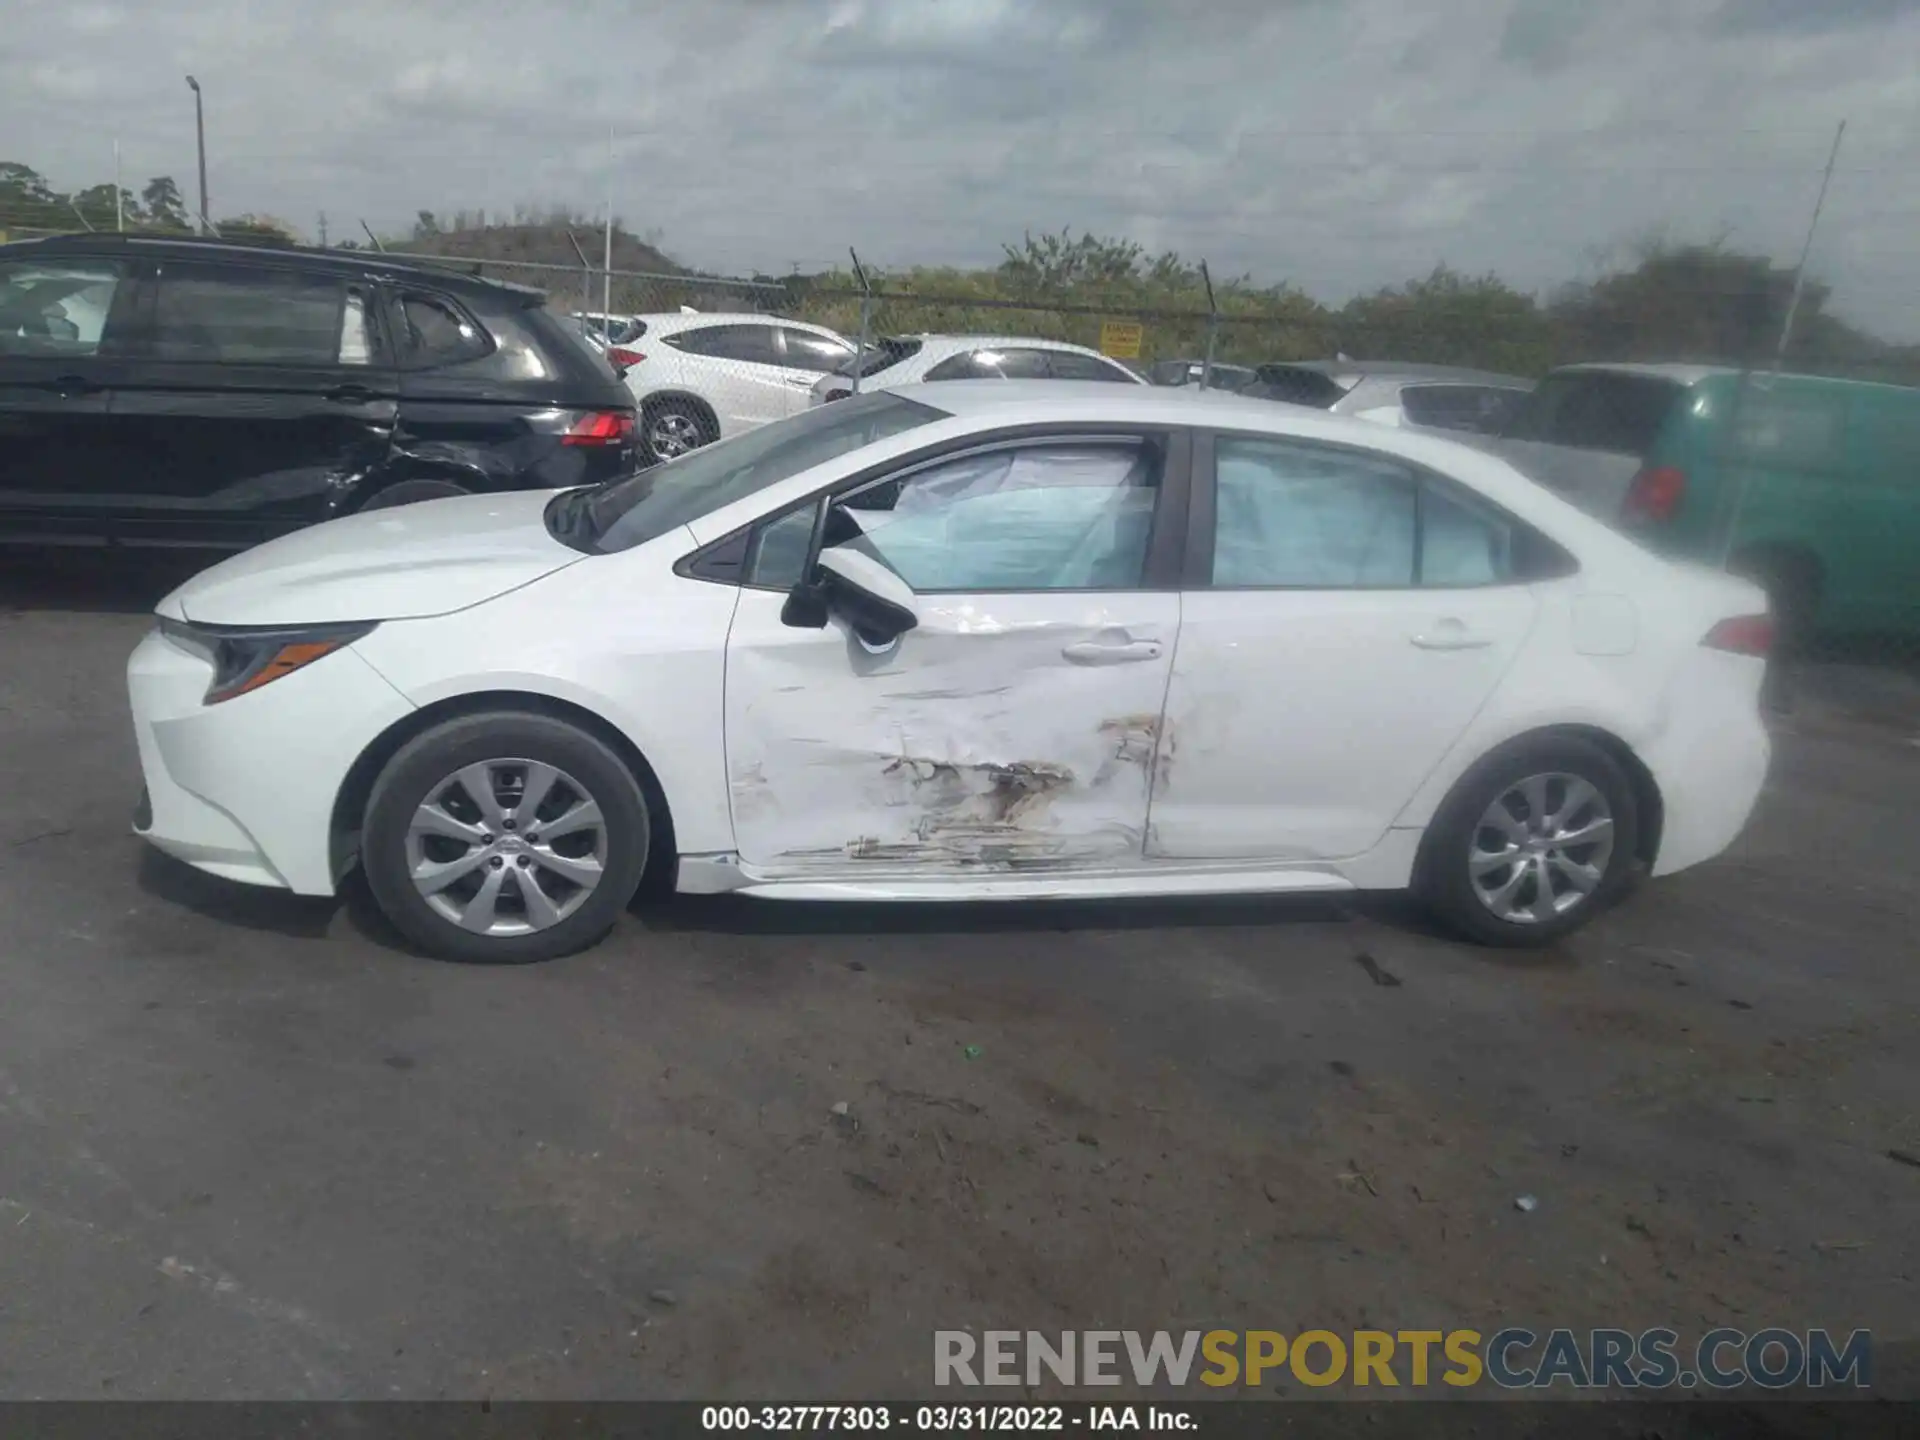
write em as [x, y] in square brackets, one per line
[249, 1147]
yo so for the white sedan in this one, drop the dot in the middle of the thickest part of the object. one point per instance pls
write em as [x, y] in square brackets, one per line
[897, 360]
[973, 640]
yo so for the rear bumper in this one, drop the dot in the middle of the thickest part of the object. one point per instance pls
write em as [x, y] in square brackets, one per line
[1710, 763]
[245, 789]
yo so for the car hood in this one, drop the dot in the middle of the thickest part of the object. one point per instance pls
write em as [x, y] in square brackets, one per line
[410, 561]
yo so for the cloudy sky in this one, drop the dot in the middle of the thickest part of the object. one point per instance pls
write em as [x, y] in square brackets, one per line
[1340, 144]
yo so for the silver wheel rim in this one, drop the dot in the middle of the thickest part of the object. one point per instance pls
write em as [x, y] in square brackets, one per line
[1542, 848]
[507, 847]
[673, 433]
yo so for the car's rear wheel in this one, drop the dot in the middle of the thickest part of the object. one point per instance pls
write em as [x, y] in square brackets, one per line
[504, 838]
[670, 428]
[1533, 843]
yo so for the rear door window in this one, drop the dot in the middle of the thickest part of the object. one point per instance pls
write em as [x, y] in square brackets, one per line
[754, 344]
[1785, 430]
[245, 315]
[1597, 410]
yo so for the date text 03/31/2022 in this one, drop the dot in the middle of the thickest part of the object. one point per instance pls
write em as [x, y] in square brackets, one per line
[940, 1419]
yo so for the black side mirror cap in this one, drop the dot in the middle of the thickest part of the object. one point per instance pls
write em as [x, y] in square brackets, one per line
[806, 607]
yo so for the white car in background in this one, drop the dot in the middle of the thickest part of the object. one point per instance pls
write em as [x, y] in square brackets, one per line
[699, 377]
[913, 359]
[962, 642]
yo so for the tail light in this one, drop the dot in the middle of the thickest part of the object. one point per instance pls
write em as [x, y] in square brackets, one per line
[628, 358]
[600, 427]
[1742, 635]
[1655, 494]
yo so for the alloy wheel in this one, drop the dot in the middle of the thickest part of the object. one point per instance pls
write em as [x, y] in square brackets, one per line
[507, 847]
[1541, 849]
[672, 433]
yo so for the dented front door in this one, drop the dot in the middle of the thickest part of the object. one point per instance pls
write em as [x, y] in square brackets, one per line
[1005, 732]
[1016, 725]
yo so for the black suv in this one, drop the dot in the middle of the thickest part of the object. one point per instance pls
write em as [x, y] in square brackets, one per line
[198, 393]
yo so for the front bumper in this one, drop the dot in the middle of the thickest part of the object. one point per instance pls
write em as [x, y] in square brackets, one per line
[245, 789]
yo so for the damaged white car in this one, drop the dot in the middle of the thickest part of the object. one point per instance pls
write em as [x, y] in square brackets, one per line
[962, 641]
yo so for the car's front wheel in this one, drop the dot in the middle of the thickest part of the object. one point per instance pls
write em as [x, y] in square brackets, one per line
[1533, 842]
[504, 838]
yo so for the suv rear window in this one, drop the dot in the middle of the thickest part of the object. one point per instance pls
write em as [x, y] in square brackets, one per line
[1597, 410]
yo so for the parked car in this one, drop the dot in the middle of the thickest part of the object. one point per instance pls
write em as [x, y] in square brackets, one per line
[1426, 397]
[700, 377]
[190, 392]
[1809, 485]
[914, 359]
[958, 641]
[608, 330]
[1188, 372]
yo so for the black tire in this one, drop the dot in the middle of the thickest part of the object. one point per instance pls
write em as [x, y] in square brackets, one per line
[412, 492]
[692, 419]
[1443, 879]
[414, 775]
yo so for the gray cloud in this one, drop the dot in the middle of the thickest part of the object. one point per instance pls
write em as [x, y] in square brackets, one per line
[1810, 16]
[1342, 146]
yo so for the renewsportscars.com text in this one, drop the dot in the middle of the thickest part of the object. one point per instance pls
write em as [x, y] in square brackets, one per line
[1511, 1358]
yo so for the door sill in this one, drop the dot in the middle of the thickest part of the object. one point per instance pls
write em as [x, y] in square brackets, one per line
[714, 874]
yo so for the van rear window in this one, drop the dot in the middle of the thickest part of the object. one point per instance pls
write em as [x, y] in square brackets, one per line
[1597, 410]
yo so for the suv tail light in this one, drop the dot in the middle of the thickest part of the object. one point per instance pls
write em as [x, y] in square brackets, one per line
[600, 427]
[628, 358]
[1655, 494]
[1742, 635]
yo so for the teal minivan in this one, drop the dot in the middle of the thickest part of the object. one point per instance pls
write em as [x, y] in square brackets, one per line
[1810, 486]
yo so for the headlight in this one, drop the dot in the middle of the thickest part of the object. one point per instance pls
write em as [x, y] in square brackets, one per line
[245, 658]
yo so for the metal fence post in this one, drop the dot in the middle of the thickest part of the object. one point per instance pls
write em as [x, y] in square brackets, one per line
[866, 319]
[586, 283]
[1213, 328]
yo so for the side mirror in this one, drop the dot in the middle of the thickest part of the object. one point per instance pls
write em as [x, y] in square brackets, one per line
[875, 602]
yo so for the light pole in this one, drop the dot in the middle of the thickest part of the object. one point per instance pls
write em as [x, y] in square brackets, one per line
[200, 141]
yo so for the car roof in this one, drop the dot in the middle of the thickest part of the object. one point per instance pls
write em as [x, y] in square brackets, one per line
[934, 345]
[449, 273]
[1351, 372]
[1679, 373]
[686, 319]
[1101, 400]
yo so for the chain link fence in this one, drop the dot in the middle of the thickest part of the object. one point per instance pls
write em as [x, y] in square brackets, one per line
[1813, 486]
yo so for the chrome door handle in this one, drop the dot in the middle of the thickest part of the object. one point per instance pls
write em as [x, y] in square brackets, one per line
[1451, 640]
[1125, 652]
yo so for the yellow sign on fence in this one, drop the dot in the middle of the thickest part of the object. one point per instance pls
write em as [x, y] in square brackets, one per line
[1120, 339]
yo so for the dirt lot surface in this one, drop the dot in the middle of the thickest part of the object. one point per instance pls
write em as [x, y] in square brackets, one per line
[248, 1147]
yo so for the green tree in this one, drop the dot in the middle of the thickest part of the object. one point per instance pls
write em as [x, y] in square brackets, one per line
[164, 207]
[96, 203]
[425, 226]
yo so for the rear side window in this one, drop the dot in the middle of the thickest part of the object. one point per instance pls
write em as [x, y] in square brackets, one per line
[1482, 408]
[1788, 431]
[1071, 365]
[880, 355]
[244, 316]
[57, 309]
[434, 332]
[994, 363]
[1296, 516]
[754, 344]
[1597, 410]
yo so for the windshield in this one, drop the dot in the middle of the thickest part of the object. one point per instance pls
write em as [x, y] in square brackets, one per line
[880, 355]
[633, 511]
